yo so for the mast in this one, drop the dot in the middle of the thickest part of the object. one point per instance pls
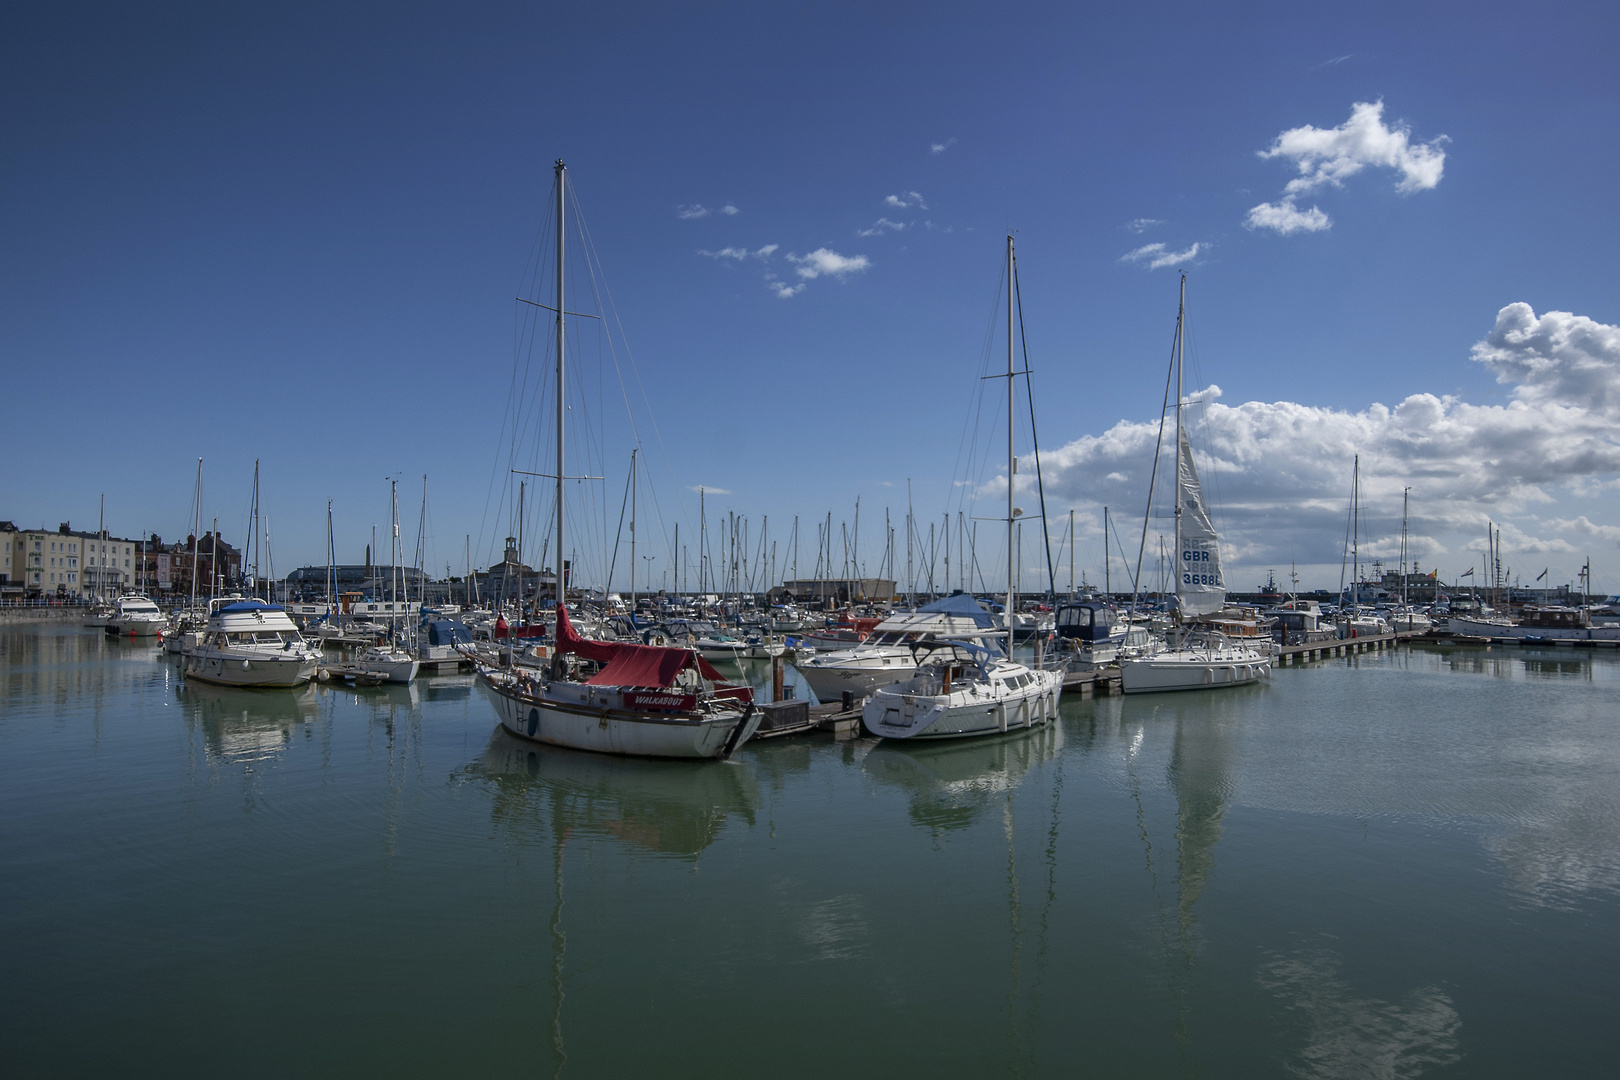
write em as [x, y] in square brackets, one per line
[1071, 552]
[632, 532]
[1108, 588]
[1355, 537]
[1181, 349]
[1405, 495]
[328, 558]
[562, 189]
[1012, 459]
[196, 527]
[393, 556]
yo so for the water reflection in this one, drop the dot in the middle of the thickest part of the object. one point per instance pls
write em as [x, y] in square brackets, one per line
[1349, 1035]
[951, 784]
[244, 726]
[667, 808]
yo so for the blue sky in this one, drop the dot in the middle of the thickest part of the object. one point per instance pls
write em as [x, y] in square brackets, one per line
[296, 235]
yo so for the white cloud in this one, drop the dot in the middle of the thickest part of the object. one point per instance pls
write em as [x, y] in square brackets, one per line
[1280, 471]
[906, 200]
[729, 210]
[826, 261]
[1142, 224]
[1326, 157]
[688, 213]
[781, 288]
[740, 254]
[1156, 256]
[880, 226]
[1335, 61]
[941, 147]
[709, 490]
[1580, 526]
[1287, 218]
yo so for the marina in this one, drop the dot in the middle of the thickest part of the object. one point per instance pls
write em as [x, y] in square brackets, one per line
[1403, 851]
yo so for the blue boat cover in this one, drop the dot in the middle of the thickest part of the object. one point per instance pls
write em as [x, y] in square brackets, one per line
[448, 632]
[961, 603]
[249, 605]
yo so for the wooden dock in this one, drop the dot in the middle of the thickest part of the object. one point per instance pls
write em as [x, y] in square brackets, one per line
[1322, 650]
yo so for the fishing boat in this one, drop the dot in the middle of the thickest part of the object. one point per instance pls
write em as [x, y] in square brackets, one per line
[135, 615]
[1203, 658]
[646, 700]
[251, 643]
[963, 687]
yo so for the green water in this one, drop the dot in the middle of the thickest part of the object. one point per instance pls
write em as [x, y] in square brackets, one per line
[1394, 865]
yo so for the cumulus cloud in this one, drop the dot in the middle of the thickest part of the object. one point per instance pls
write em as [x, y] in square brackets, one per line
[1580, 526]
[906, 200]
[689, 213]
[1156, 256]
[826, 261]
[941, 147]
[729, 210]
[1287, 218]
[1280, 471]
[1327, 157]
[881, 226]
[1142, 224]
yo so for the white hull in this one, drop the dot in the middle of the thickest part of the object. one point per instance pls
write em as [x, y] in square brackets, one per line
[223, 669]
[135, 627]
[1182, 670]
[1493, 629]
[607, 731]
[862, 677]
[398, 667]
[961, 714]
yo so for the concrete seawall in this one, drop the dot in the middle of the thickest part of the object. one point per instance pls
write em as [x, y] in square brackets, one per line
[43, 614]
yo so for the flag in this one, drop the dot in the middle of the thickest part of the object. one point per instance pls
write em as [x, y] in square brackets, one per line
[1467, 573]
[1541, 575]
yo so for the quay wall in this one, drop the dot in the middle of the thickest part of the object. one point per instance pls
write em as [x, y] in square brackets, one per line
[56, 613]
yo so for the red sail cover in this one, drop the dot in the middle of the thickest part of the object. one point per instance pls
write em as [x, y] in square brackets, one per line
[641, 665]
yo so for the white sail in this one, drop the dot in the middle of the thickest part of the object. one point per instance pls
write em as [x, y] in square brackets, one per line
[1200, 586]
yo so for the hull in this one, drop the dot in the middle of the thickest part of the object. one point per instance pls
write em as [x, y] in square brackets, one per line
[1181, 671]
[134, 627]
[1492, 629]
[829, 682]
[606, 731]
[225, 670]
[893, 715]
[401, 670]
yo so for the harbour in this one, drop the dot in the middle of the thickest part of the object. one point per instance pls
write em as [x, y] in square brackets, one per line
[1403, 855]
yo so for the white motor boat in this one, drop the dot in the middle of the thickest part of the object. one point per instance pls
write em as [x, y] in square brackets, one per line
[886, 657]
[136, 616]
[1409, 620]
[387, 663]
[1203, 661]
[251, 643]
[963, 690]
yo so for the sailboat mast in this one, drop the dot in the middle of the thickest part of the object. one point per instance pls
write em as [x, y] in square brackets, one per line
[1012, 460]
[1405, 497]
[562, 188]
[1181, 351]
[633, 532]
[1355, 537]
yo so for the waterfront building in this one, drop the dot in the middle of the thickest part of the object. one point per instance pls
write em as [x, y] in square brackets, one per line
[834, 590]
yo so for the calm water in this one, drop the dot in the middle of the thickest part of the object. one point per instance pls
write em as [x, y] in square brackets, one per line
[1386, 866]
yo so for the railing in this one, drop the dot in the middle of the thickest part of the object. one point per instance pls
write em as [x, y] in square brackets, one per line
[49, 602]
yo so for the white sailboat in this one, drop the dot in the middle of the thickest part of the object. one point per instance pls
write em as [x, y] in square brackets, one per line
[1201, 658]
[645, 701]
[963, 688]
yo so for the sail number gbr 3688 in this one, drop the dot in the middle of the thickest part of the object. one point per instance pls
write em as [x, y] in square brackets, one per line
[1195, 569]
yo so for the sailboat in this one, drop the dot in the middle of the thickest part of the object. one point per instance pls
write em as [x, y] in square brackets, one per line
[1201, 658]
[962, 688]
[645, 701]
